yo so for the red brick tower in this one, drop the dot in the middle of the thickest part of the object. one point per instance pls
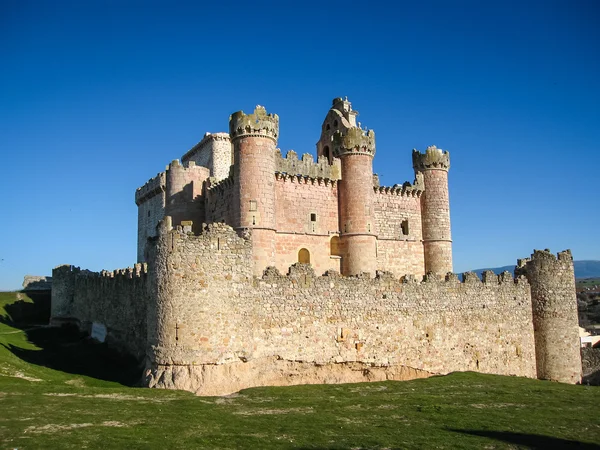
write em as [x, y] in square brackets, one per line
[254, 138]
[435, 208]
[356, 149]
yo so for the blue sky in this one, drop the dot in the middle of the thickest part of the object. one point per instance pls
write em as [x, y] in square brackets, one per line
[97, 97]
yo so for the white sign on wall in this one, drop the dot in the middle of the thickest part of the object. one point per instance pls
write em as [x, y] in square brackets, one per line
[98, 331]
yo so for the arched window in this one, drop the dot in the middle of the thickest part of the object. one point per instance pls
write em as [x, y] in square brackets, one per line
[326, 152]
[334, 246]
[304, 256]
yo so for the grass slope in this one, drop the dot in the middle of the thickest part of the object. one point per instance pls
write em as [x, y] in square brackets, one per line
[41, 407]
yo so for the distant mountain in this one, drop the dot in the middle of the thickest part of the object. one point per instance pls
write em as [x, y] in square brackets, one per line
[583, 269]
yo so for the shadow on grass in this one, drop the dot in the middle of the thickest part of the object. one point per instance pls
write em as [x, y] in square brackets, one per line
[532, 441]
[65, 348]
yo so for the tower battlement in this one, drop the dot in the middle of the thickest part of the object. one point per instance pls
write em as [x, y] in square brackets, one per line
[355, 141]
[433, 158]
[258, 123]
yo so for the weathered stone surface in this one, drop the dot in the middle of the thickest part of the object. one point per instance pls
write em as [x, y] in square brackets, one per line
[212, 379]
[555, 319]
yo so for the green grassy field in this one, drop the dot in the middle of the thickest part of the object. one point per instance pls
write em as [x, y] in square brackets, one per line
[58, 390]
[583, 283]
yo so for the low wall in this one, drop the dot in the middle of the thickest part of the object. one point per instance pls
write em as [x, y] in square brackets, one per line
[115, 299]
[215, 329]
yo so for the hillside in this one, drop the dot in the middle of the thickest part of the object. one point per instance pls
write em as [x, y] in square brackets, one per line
[583, 269]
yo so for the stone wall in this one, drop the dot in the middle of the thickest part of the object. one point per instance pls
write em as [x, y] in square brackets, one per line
[215, 329]
[115, 299]
[150, 200]
[219, 200]
[307, 166]
[213, 152]
[399, 227]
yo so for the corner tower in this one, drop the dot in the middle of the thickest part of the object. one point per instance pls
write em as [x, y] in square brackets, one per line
[356, 149]
[435, 208]
[254, 138]
[555, 319]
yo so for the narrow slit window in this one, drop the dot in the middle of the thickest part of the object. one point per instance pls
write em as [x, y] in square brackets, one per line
[404, 227]
[313, 217]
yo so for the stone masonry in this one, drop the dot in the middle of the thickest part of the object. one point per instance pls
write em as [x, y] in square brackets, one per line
[257, 269]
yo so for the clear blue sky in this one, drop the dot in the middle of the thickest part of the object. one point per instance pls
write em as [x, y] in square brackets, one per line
[96, 97]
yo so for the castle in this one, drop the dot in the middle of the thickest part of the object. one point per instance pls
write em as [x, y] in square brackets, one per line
[367, 291]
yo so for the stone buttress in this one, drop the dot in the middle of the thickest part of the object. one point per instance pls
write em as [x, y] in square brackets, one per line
[435, 206]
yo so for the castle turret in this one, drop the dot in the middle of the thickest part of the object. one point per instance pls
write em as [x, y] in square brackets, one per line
[555, 319]
[340, 118]
[183, 190]
[435, 208]
[356, 149]
[254, 138]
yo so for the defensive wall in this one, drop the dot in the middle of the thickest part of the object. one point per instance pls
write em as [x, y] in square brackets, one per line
[214, 328]
[218, 329]
[117, 299]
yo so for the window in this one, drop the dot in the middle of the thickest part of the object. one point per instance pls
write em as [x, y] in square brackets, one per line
[326, 152]
[313, 217]
[335, 124]
[304, 256]
[328, 127]
[252, 205]
[404, 227]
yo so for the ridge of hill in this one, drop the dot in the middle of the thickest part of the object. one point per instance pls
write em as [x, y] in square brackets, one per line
[583, 269]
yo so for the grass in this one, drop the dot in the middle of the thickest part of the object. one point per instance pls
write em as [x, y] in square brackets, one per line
[582, 283]
[42, 407]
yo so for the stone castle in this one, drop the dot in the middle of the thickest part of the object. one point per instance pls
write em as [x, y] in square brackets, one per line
[257, 269]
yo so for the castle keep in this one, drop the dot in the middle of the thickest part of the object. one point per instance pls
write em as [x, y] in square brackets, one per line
[259, 269]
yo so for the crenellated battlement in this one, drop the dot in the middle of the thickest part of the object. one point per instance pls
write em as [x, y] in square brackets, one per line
[291, 165]
[405, 190]
[184, 165]
[355, 141]
[214, 185]
[433, 158]
[152, 187]
[258, 124]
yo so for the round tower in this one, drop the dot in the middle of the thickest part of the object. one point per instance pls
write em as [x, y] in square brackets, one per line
[435, 208]
[356, 149]
[254, 138]
[555, 318]
[175, 192]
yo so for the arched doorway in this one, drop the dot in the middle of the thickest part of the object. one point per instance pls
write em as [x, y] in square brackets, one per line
[334, 246]
[304, 256]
